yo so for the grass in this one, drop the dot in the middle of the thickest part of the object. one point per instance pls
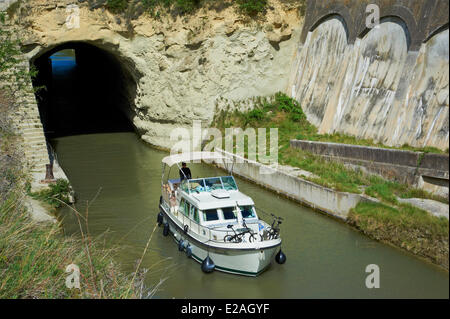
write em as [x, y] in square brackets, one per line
[404, 226]
[34, 256]
[33, 259]
[183, 7]
[55, 195]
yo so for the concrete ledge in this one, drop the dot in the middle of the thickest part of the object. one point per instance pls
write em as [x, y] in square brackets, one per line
[337, 204]
[434, 165]
[433, 207]
[38, 212]
[403, 166]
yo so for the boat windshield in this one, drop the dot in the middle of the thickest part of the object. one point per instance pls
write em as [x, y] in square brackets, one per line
[197, 185]
[213, 183]
[228, 183]
[201, 185]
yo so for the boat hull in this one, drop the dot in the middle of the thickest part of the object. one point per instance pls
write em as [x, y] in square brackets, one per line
[241, 261]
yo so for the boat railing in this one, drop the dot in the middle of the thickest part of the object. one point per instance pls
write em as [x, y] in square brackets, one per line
[211, 232]
[216, 235]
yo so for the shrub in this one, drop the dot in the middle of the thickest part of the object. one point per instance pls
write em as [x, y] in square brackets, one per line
[117, 6]
[175, 6]
[289, 105]
[54, 195]
[256, 114]
[252, 7]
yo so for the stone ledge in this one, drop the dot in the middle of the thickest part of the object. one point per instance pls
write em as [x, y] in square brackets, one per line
[38, 212]
[403, 166]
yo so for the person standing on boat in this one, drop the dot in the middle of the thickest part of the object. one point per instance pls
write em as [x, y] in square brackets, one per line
[185, 172]
[173, 203]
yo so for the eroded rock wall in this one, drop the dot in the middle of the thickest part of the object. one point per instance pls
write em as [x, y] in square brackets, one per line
[375, 88]
[181, 66]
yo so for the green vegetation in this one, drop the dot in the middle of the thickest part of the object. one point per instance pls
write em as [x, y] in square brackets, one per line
[182, 7]
[252, 7]
[33, 260]
[117, 6]
[13, 76]
[404, 226]
[55, 195]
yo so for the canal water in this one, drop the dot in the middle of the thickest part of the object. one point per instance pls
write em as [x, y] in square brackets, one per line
[118, 175]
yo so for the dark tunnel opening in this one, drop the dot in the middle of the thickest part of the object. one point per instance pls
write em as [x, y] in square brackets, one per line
[84, 90]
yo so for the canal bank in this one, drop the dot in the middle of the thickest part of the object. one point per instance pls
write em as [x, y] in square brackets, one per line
[349, 207]
[286, 181]
[326, 258]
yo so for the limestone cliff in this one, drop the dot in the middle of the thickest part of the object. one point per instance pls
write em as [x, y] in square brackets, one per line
[180, 66]
[184, 68]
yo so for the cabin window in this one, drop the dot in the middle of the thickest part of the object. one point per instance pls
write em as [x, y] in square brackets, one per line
[194, 214]
[213, 183]
[210, 215]
[247, 211]
[187, 208]
[228, 183]
[182, 203]
[229, 213]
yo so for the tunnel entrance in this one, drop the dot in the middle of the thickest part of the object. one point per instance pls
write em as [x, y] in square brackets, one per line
[84, 90]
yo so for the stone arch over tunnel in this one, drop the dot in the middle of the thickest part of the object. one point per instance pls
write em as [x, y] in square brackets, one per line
[86, 90]
[341, 14]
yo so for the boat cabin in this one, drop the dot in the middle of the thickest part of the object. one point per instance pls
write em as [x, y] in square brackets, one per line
[212, 201]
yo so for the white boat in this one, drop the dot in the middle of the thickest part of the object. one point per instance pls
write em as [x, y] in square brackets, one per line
[214, 223]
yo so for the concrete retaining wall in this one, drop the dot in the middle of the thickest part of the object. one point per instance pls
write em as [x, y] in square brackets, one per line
[337, 204]
[403, 166]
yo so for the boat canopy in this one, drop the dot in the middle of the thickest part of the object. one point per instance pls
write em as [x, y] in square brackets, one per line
[192, 156]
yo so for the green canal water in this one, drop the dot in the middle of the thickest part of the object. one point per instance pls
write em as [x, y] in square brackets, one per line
[120, 178]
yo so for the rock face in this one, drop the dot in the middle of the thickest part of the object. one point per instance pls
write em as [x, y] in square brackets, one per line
[183, 69]
[180, 67]
[375, 88]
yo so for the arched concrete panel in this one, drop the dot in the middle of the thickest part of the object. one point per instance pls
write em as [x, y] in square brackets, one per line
[325, 14]
[344, 16]
[405, 18]
[436, 31]
[422, 18]
[395, 19]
